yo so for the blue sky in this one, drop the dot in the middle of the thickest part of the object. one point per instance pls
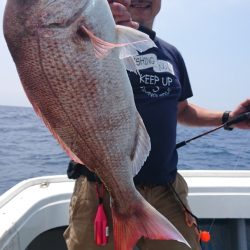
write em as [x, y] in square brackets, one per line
[213, 37]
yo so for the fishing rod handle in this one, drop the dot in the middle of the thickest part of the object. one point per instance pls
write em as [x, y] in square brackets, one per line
[239, 118]
[180, 144]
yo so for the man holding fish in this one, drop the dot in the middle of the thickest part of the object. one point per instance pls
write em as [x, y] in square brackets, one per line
[161, 90]
[71, 58]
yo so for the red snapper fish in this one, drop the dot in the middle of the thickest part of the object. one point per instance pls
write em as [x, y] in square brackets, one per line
[68, 55]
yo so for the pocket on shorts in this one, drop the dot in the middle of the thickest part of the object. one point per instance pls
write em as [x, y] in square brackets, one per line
[180, 184]
[181, 188]
[79, 195]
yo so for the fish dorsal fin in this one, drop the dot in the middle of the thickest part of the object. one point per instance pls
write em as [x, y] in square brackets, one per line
[129, 40]
[141, 148]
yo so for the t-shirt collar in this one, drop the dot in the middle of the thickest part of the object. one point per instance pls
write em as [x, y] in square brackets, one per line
[148, 31]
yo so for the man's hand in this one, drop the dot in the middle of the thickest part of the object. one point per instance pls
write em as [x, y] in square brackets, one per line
[121, 14]
[242, 108]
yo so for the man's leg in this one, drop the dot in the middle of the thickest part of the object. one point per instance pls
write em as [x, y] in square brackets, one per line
[165, 201]
[80, 233]
[83, 207]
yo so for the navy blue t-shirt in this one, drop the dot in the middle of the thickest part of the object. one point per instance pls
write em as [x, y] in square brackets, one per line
[161, 83]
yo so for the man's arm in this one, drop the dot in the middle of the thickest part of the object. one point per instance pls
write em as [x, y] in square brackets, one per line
[193, 115]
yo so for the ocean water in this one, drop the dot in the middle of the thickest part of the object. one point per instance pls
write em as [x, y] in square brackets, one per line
[27, 149]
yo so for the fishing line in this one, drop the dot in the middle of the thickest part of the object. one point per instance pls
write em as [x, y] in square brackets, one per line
[205, 235]
[239, 156]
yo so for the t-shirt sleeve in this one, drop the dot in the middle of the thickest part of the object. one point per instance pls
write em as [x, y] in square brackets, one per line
[184, 78]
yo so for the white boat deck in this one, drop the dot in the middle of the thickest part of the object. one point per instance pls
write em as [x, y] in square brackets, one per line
[219, 194]
[39, 204]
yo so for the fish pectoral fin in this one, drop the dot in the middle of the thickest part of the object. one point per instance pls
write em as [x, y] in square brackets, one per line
[101, 47]
[145, 221]
[129, 40]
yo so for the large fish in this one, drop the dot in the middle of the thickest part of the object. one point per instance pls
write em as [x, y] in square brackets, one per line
[80, 89]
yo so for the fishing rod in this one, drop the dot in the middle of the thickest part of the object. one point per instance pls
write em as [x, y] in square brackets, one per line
[240, 118]
[205, 235]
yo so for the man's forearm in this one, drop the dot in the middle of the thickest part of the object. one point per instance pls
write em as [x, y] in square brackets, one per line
[193, 115]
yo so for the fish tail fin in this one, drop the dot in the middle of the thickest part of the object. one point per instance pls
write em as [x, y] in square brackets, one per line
[145, 222]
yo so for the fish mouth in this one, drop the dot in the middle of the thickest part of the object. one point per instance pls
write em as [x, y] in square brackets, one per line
[141, 4]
